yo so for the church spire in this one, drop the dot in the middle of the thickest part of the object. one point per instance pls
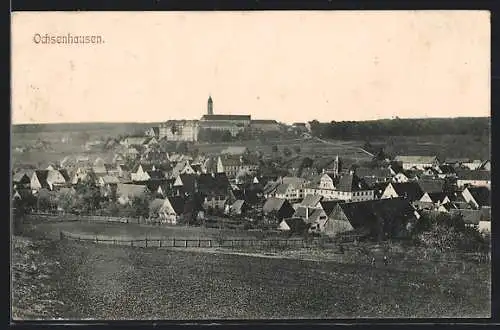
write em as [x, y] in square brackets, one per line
[210, 105]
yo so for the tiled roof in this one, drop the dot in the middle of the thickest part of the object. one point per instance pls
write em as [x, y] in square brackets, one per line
[296, 224]
[351, 182]
[156, 205]
[188, 182]
[410, 190]
[437, 196]
[156, 175]
[130, 190]
[234, 150]
[231, 160]
[328, 206]
[447, 169]
[469, 216]
[108, 179]
[273, 204]
[226, 117]
[282, 189]
[177, 203]
[416, 159]
[474, 175]
[373, 214]
[482, 195]
[311, 200]
[264, 121]
[42, 176]
[431, 186]
[270, 187]
[293, 180]
[237, 205]
[22, 175]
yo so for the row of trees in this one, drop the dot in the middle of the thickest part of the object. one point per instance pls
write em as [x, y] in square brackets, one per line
[448, 232]
[85, 199]
[401, 127]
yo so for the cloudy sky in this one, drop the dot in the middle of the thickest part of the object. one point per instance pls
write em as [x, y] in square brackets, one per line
[289, 66]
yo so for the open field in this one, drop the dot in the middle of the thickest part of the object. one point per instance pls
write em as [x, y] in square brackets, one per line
[310, 147]
[137, 231]
[134, 283]
[444, 146]
[35, 273]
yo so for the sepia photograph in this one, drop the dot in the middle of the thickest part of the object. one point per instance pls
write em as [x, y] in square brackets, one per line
[250, 165]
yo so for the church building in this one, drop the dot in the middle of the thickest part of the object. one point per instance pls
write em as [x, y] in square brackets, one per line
[232, 123]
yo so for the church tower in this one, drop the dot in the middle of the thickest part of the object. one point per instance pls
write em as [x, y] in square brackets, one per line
[210, 106]
[336, 166]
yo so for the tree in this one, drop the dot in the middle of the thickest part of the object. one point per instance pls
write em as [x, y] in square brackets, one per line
[272, 217]
[111, 208]
[140, 204]
[89, 198]
[445, 231]
[45, 200]
[226, 136]
[297, 149]
[287, 152]
[66, 201]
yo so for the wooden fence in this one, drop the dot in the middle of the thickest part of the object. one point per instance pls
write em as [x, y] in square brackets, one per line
[189, 242]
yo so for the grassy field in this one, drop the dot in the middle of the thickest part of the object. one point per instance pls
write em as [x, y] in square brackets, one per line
[444, 146]
[309, 148]
[103, 282]
[35, 284]
[137, 231]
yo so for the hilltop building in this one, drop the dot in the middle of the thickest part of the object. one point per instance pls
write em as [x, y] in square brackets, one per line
[188, 130]
[179, 130]
[232, 123]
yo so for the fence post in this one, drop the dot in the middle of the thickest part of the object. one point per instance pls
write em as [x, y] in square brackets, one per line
[159, 242]
[199, 242]
[60, 235]
[132, 243]
[173, 242]
[114, 242]
[186, 243]
[96, 240]
[146, 242]
[209, 243]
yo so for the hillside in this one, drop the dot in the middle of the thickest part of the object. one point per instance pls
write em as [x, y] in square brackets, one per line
[120, 128]
[476, 126]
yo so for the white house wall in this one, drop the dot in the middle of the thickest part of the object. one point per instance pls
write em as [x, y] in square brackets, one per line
[389, 192]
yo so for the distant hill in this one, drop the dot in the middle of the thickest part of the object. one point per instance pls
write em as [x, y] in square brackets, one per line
[81, 127]
[476, 126]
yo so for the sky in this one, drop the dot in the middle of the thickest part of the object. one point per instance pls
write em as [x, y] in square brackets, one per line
[288, 66]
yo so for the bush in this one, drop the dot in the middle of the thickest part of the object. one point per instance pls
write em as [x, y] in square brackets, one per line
[445, 238]
[220, 237]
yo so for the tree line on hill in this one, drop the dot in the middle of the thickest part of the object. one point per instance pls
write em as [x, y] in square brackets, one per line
[401, 127]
